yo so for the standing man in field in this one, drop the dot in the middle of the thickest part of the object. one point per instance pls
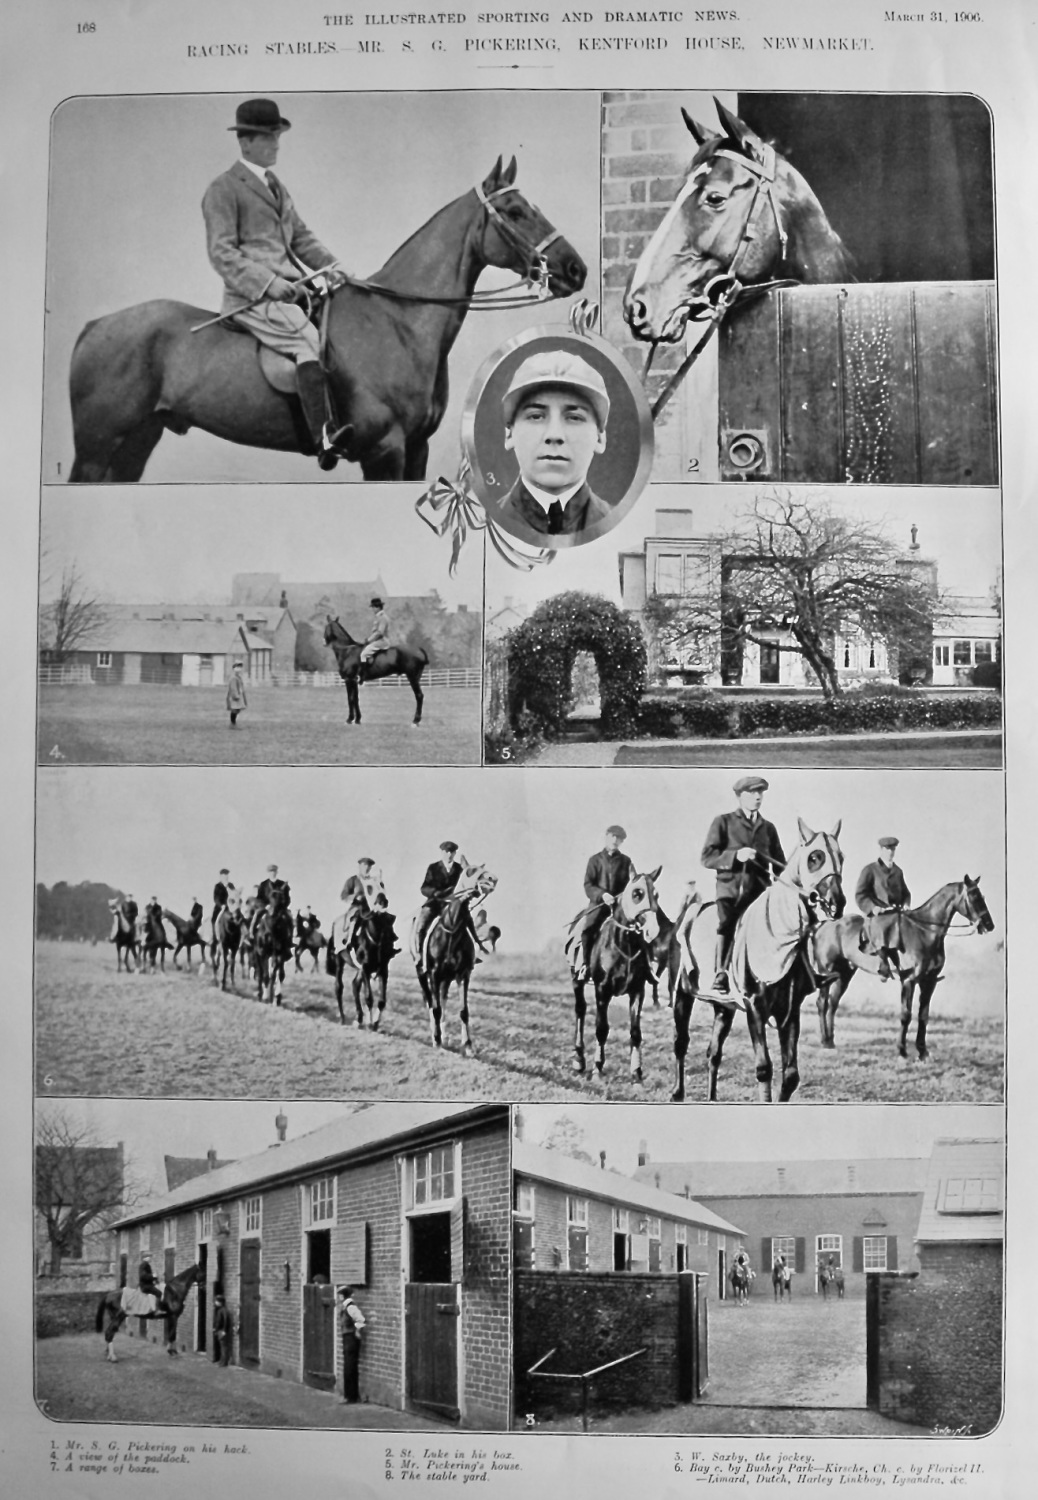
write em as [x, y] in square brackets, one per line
[882, 894]
[608, 874]
[260, 248]
[744, 850]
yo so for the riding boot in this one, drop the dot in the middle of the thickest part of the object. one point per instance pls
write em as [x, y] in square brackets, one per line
[310, 382]
[721, 947]
[587, 946]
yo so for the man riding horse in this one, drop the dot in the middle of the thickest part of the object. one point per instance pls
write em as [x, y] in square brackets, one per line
[882, 894]
[358, 894]
[744, 849]
[260, 248]
[608, 874]
[220, 891]
[378, 635]
[271, 892]
[127, 910]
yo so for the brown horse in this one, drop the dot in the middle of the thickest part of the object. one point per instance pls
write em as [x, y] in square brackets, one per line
[141, 371]
[227, 935]
[124, 936]
[743, 215]
[919, 959]
[189, 936]
[367, 959]
[393, 661]
[112, 1311]
[271, 950]
[448, 952]
[622, 963]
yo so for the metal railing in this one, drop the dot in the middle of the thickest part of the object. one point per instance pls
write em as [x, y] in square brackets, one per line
[536, 1373]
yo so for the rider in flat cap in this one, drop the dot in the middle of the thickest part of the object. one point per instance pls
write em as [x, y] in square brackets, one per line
[608, 874]
[745, 850]
[260, 248]
[881, 895]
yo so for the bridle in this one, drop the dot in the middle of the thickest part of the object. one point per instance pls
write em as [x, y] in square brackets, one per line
[724, 290]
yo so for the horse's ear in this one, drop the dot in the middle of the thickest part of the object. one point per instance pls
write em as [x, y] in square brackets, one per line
[493, 179]
[737, 131]
[806, 833]
[654, 875]
[699, 133]
[834, 832]
[510, 173]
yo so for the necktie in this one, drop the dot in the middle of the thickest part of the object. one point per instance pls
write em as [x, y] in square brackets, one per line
[275, 188]
[555, 517]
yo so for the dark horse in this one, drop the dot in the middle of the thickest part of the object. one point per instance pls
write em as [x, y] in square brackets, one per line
[366, 959]
[739, 1276]
[124, 937]
[393, 661]
[742, 216]
[448, 953]
[189, 936]
[227, 931]
[770, 967]
[313, 944]
[137, 372]
[622, 963]
[272, 949]
[781, 1285]
[112, 1314]
[919, 958]
[154, 941]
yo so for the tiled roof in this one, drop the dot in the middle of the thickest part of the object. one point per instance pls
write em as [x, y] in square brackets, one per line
[964, 1198]
[556, 1167]
[366, 1128]
[180, 1169]
[763, 1179]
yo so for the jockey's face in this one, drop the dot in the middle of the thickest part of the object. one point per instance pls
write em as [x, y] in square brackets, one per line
[555, 435]
[260, 150]
[750, 802]
[613, 842]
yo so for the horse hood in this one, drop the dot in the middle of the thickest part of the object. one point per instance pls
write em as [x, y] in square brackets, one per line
[768, 937]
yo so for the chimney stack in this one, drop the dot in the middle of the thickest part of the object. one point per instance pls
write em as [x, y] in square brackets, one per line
[643, 1153]
[283, 601]
[211, 1159]
[601, 1160]
[281, 1126]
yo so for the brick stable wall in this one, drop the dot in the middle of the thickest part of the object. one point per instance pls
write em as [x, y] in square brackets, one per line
[486, 1183]
[370, 1194]
[281, 1311]
[590, 1319]
[939, 1340]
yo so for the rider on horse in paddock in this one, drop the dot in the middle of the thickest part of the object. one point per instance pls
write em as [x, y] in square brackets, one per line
[744, 849]
[221, 889]
[882, 894]
[260, 248]
[378, 635]
[272, 892]
[128, 908]
[306, 923]
[608, 874]
[358, 896]
[441, 880]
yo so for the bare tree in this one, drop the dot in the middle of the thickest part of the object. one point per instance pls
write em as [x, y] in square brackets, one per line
[798, 574]
[73, 616]
[567, 1136]
[81, 1184]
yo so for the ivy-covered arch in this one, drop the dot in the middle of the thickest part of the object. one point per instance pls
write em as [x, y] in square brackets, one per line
[542, 650]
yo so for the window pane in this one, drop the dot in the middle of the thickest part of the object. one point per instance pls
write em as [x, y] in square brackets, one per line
[668, 573]
[961, 654]
[983, 651]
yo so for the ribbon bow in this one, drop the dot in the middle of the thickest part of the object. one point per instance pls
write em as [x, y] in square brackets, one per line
[452, 509]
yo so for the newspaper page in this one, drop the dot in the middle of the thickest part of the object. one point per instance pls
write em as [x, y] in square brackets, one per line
[518, 749]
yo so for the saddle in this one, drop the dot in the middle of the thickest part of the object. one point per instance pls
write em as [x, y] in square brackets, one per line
[138, 1304]
[278, 370]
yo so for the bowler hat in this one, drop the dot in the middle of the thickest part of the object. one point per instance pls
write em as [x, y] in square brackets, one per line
[259, 117]
[750, 784]
[890, 842]
[376, 603]
[555, 367]
[366, 861]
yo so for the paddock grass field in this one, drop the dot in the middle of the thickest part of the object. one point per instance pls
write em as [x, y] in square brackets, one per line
[177, 1035]
[149, 725]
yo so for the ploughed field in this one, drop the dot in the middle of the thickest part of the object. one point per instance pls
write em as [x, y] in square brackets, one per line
[99, 1032]
[148, 725]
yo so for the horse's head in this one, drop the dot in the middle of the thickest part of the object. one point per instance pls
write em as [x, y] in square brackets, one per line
[816, 869]
[741, 213]
[336, 634]
[638, 904]
[973, 906]
[517, 236]
[476, 882]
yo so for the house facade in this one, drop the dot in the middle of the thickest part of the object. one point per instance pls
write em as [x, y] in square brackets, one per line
[407, 1203]
[862, 1214]
[570, 1216]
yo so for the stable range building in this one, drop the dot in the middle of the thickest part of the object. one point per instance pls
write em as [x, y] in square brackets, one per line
[408, 1203]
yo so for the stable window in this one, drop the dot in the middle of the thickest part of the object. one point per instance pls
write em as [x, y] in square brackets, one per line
[681, 1247]
[576, 1233]
[523, 1228]
[621, 1239]
[702, 1236]
[432, 1176]
[827, 1245]
[972, 1195]
[320, 1201]
[983, 651]
[169, 1233]
[655, 1245]
[962, 653]
[144, 1239]
[252, 1215]
[786, 1246]
[104, 658]
[874, 1252]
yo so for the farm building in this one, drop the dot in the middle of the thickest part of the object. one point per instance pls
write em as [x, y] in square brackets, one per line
[408, 1203]
[936, 1337]
[862, 1213]
[680, 565]
[160, 644]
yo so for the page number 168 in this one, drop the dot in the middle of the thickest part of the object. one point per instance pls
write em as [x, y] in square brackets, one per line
[86, 26]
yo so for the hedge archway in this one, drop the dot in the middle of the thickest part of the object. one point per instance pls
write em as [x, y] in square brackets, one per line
[542, 650]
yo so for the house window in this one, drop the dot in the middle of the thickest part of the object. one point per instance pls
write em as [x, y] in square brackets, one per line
[983, 651]
[320, 1201]
[786, 1246]
[827, 1245]
[942, 656]
[668, 573]
[962, 653]
[576, 1233]
[972, 1195]
[169, 1233]
[702, 1236]
[874, 1252]
[252, 1215]
[523, 1228]
[681, 1247]
[144, 1239]
[655, 1245]
[872, 653]
[621, 1239]
[432, 1176]
[205, 1224]
[104, 658]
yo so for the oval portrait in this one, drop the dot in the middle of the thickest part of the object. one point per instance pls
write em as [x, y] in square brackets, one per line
[558, 436]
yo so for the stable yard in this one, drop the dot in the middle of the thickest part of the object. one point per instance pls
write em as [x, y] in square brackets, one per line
[176, 1034]
[148, 725]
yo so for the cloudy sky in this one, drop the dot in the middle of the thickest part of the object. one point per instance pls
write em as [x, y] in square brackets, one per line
[167, 831]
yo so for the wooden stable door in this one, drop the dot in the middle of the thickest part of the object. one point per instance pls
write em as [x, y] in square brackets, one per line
[319, 1335]
[249, 1309]
[432, 1313]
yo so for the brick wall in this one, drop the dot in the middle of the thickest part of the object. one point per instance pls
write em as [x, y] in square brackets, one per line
[646, 151]
[370, 1194]
[281, 1311]
[938, 1340]
[485, 1177]
[65, 1312]
[590, 1319]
